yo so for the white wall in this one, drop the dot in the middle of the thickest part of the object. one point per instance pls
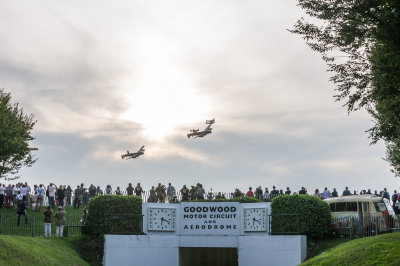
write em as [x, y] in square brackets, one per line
[141, 250]
[272, 250]
[149, 250]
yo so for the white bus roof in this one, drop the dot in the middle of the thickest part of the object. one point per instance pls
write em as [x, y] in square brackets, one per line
[354, 198]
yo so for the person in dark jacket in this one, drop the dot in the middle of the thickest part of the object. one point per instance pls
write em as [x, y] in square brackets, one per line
[61, 196]
[22, 211]
[47, 221]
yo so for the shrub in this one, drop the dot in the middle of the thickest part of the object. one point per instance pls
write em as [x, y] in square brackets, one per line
[242, 199]
[114, 213]
[314, 215]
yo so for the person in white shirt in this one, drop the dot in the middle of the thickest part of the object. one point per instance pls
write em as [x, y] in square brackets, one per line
[52, 193]
[41, 192]
[16, 188]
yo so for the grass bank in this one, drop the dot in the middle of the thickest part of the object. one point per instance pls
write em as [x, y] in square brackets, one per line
[17, 250]
[378, 250]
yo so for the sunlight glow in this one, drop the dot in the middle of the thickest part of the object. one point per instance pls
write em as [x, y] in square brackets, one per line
[163, 96]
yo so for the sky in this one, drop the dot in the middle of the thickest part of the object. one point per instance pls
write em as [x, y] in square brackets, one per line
[103, 77]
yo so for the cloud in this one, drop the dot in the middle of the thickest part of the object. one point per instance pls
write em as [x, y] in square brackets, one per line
[103, 77]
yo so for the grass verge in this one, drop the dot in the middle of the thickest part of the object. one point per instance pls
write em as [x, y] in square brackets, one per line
[18, 250]
[378, 250]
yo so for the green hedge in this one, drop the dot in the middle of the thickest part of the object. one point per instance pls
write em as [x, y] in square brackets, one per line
[314, 215]
[242, 199]
[114, 213]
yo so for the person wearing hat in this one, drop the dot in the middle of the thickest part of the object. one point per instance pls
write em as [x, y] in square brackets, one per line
[60, 221]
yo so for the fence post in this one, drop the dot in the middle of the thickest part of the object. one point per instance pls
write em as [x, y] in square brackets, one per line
[33, 227]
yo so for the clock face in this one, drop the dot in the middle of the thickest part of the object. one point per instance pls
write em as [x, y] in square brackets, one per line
[160, 219]
[255, 219]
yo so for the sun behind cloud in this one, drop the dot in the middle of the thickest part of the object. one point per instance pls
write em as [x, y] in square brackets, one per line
[163, 95]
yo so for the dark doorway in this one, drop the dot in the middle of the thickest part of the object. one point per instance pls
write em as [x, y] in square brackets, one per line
[208, 256]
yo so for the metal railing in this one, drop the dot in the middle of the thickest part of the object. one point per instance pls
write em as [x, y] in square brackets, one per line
[284, 224]
[34, 225]
[364, 226]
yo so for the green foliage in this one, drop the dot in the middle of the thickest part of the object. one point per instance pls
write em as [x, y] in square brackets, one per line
[242, 199]
[360, 41]
[90, 248]
[15, 135]
[115, 213]
[377, 250]
[313, 213]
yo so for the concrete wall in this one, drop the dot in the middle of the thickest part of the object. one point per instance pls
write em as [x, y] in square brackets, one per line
[272, 250]
[141, 250]
[164, 249]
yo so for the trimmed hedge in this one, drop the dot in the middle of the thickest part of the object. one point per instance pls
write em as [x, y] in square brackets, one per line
[314, 215]
[242, 199]
[114, 213]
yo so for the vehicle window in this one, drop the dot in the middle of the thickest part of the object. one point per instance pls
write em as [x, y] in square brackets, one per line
[332, 205]
[388, 206]
[351, 206]
[380, 206]
[365, 206]
[340, 207]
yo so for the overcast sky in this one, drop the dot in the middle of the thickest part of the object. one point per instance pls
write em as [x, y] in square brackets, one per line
[102, 77]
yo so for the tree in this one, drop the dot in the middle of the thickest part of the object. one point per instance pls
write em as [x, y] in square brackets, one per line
[15, 135]
[360, 41]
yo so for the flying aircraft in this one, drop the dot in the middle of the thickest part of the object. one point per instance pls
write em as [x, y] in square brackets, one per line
[199, 134]
[133, 155]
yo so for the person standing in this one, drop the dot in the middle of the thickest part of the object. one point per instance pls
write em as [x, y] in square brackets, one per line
[200, 192]
[170, 192]
[153, 195]
[346, 192]
[259, 193]
[267, 195]
[108, 190]
[9, 196]
[99, 191]
[61, 195]
[77, 197]
[129, 189]
[28, 194]
[48, 213]
[40, 196]
[92, 191]
[22, 211]
[69, 195]
[52, 193]
[250, 193]
[138, 190]
[386, 194]
[326, 194]
[288, 192]
[274, 193]
[185, 193]
[118, 191]
[160, 191]
[60, 221]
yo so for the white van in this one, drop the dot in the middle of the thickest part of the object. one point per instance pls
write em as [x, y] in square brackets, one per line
[367, 214]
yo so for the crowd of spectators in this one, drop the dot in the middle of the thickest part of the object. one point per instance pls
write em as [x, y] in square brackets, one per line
[63, 195]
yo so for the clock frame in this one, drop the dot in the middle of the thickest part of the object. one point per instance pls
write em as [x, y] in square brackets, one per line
[161, 219]
[255, 219]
